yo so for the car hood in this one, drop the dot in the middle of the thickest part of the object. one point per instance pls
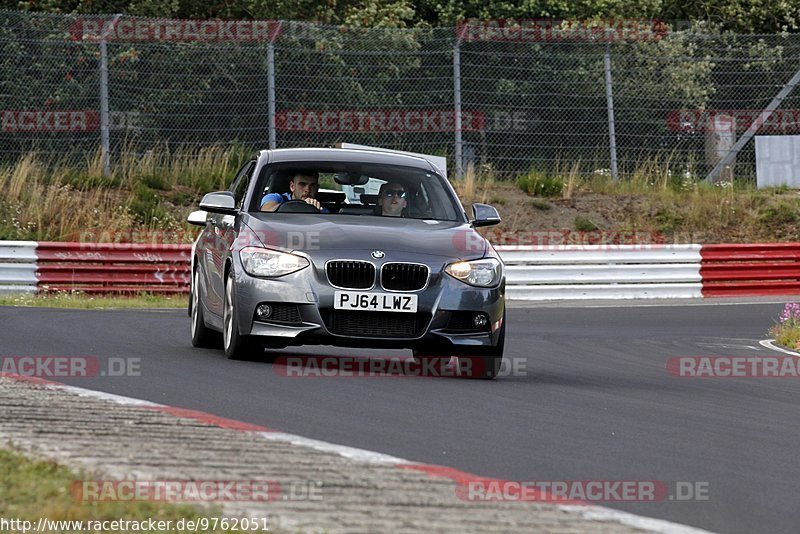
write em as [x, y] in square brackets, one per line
[339, 233]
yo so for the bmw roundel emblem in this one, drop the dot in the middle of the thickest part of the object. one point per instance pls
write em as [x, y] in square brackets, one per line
[378, 254]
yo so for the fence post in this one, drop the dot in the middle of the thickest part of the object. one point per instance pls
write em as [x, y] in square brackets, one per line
[271, 85]
[612, 135]
[271, 93]
[105, 143]
[457, 107]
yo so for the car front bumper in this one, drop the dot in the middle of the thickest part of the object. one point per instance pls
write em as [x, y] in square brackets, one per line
[444, 308]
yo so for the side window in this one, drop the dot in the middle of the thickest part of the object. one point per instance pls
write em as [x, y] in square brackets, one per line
[239, 185]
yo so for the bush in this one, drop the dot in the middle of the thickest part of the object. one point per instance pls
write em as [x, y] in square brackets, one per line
[146, 205]
[669, 219]
[778, 214]
[155, 181]
[541, 205]
[540, 185]
[583, 224]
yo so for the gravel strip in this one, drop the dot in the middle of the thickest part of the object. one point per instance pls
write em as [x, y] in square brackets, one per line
[110, 440]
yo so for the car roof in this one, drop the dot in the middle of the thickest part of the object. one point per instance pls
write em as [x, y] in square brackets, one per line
[282, 155]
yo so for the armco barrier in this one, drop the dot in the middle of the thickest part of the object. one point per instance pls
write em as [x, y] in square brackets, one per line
[18, 266]
[752, 269]
[532, 272]
[113, 267]
[602, 271]
[94, 267]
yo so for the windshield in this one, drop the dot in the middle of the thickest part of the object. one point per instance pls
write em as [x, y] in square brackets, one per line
[366, 190]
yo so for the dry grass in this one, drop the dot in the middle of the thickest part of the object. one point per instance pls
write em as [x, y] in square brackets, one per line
[43, 199]
[653, 198]
[152, 193]
[572, 180]
[205, 169]
[38, 202]
[477, 186]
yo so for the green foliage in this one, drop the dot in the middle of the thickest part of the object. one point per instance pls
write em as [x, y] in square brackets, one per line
[668, 219]
[778, 214]
[582, 224]
[376, 14]
[146, 205]
[745, 16]
[327, 182]
[541, 205]
[32, 486]
[155, 181]
[83, 181]
[183, 198]
[84, 301]
[541, 185]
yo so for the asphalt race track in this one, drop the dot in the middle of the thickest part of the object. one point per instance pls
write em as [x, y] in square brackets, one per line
[593, 401]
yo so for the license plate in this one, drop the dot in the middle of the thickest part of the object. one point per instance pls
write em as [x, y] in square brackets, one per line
[359, 300]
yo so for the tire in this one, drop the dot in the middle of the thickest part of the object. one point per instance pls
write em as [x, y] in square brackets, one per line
[202, 336]
[235, 345]
[487, 363]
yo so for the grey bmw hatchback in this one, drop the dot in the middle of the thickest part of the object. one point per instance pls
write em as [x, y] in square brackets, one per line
[352, 248]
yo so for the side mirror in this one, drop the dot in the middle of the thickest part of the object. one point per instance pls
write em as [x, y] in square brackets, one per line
[484, 215]
[198, 218]
[219, 202]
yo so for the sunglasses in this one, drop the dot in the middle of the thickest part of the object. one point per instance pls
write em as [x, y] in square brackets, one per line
[389, 193]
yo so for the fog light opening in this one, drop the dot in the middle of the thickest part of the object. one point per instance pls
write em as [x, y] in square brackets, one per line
[480, 320]
[264, 311]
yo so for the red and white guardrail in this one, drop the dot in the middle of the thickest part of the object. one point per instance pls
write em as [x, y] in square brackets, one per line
[532, 272]
[94, 267]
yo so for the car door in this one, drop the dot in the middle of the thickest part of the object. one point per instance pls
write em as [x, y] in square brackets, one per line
[222, 234]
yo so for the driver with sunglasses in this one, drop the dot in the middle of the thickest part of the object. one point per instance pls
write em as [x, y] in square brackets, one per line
[392, 199]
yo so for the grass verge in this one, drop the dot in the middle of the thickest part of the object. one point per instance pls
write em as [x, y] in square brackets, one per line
[47, 200]
[84, 301]
[151, 194]
[34, 489]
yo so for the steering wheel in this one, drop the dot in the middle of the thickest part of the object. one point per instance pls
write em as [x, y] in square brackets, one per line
[296, 206]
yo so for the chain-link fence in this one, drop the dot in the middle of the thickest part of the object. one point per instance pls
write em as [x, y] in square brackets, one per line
[501, 97]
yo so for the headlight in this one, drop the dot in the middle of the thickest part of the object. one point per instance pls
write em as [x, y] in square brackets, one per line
[270, 263]
[482, 273]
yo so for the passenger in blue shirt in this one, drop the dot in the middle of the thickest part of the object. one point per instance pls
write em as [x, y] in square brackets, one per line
[304, 186]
